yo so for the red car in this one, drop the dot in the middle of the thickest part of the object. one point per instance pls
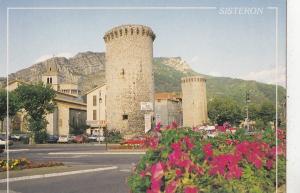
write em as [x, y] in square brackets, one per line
[80, 139]
[137, 141]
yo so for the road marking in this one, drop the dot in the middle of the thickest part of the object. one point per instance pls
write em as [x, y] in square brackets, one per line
[125, 170]
[64, 157]
[17, 150]
[96, 153]
[57, 174]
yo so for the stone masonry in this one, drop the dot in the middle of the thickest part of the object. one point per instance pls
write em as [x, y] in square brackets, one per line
[194, 101]
[129, 76]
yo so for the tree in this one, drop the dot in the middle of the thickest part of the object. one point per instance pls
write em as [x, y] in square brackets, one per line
[222, 110]
[267, 112]
[14, 105]
[37, 101]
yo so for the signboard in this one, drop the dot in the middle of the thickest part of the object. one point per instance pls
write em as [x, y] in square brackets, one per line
[146, 106]
[92, 123]
[157, 119]
[147, 122]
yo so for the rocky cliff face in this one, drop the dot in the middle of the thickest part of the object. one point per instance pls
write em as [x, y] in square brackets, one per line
[86, 68]
[175, 62]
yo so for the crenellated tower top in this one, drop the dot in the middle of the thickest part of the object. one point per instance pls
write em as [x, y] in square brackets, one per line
[192, 79]
[128, 30]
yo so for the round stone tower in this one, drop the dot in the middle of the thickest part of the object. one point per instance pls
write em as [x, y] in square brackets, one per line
[129, 77]
[194, 102]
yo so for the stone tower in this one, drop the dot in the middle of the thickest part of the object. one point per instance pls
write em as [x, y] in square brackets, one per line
[52, 76]
[194, 101]
[129, 77]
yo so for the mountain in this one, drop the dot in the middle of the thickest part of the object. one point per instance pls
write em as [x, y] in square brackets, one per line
[88, 68]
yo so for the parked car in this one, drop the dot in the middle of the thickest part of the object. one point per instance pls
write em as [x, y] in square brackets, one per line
[63, 139]
[71, 138]
[101, 139]
[81, 139]
[15, 137]
[52, 139]
[93, 138]
[3, 142]
[136, 141]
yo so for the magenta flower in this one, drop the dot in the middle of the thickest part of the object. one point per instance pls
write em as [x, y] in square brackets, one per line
[171, 187]
[174, 125]
[155, 186]
[153, 142]
[207, 149]
[157, 127]
[188, 142]
[178, 172]
[157, 171]
[191, 189]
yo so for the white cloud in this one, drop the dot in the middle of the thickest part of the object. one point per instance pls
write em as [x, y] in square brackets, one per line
[268, 76]
[48, 56]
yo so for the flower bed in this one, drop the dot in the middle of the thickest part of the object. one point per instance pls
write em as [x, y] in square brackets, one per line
[23, 163]
[183, 160]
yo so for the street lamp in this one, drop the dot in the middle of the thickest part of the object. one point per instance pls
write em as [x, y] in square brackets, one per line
[247, 109]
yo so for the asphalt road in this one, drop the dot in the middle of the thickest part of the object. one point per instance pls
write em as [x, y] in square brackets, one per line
[110, 181]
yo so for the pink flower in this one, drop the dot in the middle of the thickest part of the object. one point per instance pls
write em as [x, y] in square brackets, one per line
[171, 187]
[157, 171]
[155, 186]
[157, 127]
[207, 149]
[191, 189]
[188, 142]
[176, 146]
[174, 125]
[153, 142]
[178, 172]
[143, 174]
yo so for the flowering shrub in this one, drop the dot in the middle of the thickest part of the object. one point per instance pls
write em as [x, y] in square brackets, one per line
[184, 160]
[23, 163]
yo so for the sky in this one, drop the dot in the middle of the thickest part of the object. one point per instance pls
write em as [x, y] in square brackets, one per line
[211, 42]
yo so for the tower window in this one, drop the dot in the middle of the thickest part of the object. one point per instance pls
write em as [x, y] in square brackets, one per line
[94, 100]
[125, 117]
[94, 114]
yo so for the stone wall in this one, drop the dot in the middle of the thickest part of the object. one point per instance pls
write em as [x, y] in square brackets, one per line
[194, 101]
[129, 76]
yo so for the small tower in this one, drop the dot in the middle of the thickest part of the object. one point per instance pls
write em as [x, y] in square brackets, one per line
[194, 101]
[52, 76]
[129, 77]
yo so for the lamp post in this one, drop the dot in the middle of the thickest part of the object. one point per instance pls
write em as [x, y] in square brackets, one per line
[247, 109]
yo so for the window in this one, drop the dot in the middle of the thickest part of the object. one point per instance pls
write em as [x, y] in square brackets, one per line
[125, 117]
[50, 80]
[94, 100]
[94, 114]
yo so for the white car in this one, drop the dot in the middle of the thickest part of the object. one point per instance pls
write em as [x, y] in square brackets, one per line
[100, 139]
[3, 142]
[63, 139]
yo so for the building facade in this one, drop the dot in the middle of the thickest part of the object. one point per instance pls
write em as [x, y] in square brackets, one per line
[96, 109]
[194, 101]
[129, 77]
[168, 108]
